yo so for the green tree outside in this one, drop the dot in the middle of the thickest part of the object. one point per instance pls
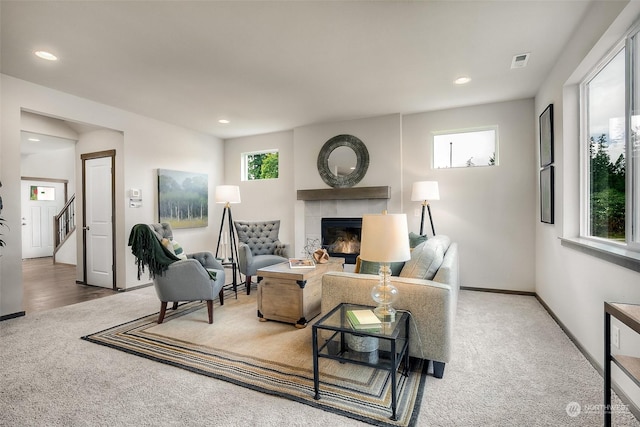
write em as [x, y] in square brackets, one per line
[262, 166]
[607, 193]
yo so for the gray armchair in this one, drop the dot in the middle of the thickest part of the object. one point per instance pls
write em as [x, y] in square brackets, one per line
[188, 279]
[259, 247]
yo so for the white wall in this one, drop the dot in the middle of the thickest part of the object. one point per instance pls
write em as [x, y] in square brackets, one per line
[147, 145]
[489, 211]
[575, 285]
[266, 199]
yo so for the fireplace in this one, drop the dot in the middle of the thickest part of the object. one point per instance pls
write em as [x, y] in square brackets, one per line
[341, 237]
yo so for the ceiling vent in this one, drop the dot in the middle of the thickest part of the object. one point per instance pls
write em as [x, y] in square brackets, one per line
[520, 61]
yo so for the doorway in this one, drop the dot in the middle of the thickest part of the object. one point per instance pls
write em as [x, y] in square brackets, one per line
[41, 200]
[48, 147]
[98, 213]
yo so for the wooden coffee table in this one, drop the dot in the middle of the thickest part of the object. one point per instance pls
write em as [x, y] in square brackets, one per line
[292, 295]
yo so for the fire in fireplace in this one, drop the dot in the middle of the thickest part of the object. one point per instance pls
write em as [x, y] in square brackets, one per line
[341, 237]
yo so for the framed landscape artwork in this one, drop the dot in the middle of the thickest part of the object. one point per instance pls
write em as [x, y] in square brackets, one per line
[546, 136]
[183, 198]
[546, 195]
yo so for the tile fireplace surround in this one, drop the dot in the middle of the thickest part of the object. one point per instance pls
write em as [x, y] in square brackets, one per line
[315, 210]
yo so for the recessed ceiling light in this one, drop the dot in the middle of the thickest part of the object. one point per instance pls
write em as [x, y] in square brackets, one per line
[223, 121]
[462, 80]
[46, 55]
[33, 140]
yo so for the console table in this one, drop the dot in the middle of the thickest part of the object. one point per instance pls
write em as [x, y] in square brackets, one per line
[628, 314]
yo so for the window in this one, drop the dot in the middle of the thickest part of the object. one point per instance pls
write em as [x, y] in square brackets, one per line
[465, 149]
[42, 193]
[260, 165]
[610, 185]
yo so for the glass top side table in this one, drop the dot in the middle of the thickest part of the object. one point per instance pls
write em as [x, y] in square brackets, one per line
[383, 348]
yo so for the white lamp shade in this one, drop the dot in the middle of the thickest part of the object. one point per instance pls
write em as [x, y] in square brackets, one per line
[425, 190]
[227, 194]
[385, 238]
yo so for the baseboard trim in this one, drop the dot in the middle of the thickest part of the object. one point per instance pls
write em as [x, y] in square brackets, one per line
[499, 291]
[134, 288]
[12, 316]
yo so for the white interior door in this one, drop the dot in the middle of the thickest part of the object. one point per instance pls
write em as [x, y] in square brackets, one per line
[41, 202]
[98, 222]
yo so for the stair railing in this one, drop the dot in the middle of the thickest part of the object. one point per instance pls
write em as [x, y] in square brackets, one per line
[64, 224]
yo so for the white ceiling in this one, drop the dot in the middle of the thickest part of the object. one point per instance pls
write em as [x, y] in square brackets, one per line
[270, 66]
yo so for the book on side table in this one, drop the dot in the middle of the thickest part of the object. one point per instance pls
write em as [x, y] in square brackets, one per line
[363, 319]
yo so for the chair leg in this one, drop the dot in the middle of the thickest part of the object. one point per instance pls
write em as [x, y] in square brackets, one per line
[210, 310]
[175, 305]
[163, 310]
[438, 369]
[221, 296]
[248, 281]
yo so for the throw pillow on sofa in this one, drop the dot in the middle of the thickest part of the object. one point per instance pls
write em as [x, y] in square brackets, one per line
[369, 267]
[416, 239]
[425, 261]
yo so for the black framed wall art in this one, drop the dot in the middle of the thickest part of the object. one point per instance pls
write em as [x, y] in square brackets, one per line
[546, 194]
[546, 136]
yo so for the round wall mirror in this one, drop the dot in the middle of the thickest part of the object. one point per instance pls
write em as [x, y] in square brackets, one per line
[343, 161]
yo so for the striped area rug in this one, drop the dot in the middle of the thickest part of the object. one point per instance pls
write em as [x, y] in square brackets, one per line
[270, 357]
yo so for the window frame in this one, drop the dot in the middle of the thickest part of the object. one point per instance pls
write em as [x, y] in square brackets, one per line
[631, 193]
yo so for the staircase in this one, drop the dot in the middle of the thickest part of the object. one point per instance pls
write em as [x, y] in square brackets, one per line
[64, 224]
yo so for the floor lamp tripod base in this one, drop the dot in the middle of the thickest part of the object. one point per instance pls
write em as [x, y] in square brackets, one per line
[433, 230]
[233, 245]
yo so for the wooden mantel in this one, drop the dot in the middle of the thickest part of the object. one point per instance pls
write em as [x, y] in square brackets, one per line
[353, 193]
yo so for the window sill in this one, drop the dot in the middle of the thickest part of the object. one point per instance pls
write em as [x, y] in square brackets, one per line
[614, 254]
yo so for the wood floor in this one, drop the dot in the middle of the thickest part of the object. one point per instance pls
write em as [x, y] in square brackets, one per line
[49, 286]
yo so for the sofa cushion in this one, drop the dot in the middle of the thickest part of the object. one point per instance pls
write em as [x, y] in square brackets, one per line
[425, 260]
[370, 267]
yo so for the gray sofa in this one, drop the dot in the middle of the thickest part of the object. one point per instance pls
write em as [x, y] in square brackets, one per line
[432, 300]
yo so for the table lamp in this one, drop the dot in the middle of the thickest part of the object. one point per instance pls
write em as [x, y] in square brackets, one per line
[423, 191]
[385, 239]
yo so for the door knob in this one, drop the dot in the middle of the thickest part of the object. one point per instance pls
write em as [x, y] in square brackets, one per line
[86, 228]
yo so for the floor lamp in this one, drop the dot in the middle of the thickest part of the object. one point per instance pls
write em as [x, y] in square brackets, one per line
[228, 194]
[423, 191]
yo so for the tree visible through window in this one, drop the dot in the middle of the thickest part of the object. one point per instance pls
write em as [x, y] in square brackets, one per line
[605, 127]
[261, 165]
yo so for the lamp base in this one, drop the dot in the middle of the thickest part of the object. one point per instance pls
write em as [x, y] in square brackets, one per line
[384, 294]
[385, 313]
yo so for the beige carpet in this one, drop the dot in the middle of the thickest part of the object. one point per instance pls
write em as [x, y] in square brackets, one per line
[271, 357]
[512, 366]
